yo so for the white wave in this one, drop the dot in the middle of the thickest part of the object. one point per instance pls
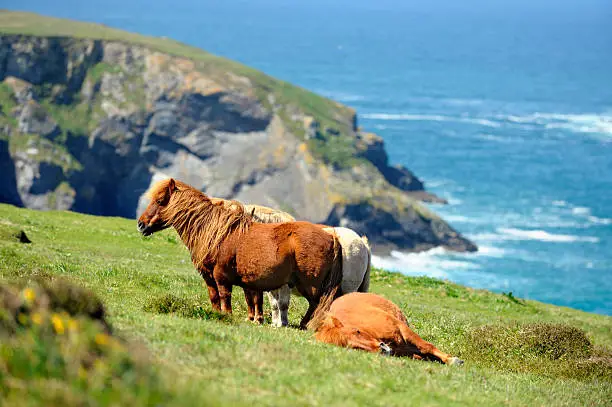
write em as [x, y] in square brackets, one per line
[600, 221]
[490, 251]
[454, 201]
[446, 101]
[581, 210]
[429, 117]
[582, 213]
[493, 137]
[542, 235]
[457, 219]
[436, 262]
[581, 123]
[434, 183]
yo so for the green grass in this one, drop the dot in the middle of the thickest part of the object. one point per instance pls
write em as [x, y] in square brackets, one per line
[517, 352]
[7, 104]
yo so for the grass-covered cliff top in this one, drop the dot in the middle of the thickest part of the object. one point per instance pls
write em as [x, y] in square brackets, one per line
[516, 352]
[327, 112]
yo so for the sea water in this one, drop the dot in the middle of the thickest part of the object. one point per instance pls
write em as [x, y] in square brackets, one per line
[503, 109]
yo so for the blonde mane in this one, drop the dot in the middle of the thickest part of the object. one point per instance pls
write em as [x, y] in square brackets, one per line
[201, 224]
[261, 214]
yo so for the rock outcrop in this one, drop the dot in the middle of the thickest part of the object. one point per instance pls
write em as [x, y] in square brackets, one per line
[88, 124]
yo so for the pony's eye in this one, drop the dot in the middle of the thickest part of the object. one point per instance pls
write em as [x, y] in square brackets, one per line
[358, 332]
[159, 201]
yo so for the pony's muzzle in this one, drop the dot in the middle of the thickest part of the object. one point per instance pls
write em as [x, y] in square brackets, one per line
[142, 228]
[384, 349]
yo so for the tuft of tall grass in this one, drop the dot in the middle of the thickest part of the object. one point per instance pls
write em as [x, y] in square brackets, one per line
[553, 350]
[171, 304]
[56, 348]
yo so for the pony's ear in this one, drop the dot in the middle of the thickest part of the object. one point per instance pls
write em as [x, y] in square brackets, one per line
[336, 322]
[171, 186]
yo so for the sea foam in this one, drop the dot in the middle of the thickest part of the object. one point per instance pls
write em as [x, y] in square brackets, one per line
[430, 118]
[542, 235]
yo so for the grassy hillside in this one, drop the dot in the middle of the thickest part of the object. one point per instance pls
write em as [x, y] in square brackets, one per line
[516, 352]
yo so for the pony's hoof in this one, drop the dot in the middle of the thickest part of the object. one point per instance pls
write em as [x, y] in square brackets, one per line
[454, 361]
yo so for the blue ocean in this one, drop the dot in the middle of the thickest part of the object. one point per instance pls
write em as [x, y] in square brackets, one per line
[503, 108]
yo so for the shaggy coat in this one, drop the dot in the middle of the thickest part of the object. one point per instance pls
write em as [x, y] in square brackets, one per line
[356, 258]
[229, 249]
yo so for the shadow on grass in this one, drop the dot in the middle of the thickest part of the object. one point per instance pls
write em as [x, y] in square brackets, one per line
[171, 304]
[554, 350]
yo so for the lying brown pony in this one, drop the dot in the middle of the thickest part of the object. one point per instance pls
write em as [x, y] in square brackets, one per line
[372, 323]
[228, 248]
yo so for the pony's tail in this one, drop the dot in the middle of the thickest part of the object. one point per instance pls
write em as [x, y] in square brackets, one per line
[332, 288]
[365, 284]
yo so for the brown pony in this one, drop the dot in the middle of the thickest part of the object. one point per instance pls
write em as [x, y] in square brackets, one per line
[228, 248]
[372, 323]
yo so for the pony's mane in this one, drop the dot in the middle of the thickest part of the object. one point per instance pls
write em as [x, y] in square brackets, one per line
[261, 214]
[201, 224]
[327, 332]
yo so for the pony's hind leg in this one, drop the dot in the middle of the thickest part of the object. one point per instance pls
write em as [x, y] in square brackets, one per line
[273, 298]
[312, 305]
[425, 349]
[249, 296]
[279, 302]
[283, 304]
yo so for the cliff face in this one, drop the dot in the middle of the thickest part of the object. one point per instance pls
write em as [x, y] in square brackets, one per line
[88, 124]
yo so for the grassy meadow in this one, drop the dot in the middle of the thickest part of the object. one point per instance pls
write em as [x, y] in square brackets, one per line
[171, 349]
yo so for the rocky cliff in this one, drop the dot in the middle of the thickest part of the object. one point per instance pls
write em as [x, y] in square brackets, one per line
[91, 116]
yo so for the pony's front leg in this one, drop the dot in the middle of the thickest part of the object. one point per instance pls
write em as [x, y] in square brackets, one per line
[225, 293]
[213, 291]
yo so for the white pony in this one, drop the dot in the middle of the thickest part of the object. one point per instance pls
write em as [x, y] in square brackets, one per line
[356, 258]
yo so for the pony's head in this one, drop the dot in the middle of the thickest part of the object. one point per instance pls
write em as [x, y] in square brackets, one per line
[334, 331]
[152, 219]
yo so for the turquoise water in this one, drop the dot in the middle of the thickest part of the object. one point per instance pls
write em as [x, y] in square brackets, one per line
[506, 111]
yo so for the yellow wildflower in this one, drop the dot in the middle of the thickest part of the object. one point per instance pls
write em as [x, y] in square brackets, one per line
[102, 339]
[36, 318]
[58, 324]
[29, 295]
